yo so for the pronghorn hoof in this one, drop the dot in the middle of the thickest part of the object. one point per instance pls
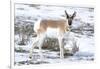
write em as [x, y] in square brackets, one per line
[30, 57]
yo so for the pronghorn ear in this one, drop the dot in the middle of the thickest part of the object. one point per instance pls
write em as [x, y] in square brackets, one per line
[74, 14]
[67, 16]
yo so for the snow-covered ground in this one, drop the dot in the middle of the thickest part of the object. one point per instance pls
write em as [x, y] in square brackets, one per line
[82, 32]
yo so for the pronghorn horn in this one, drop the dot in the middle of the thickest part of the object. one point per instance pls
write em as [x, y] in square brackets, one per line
[67, 16]
[74, 14]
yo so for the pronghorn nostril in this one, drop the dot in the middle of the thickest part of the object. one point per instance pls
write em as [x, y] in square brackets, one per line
[69, 23]
[30, 57]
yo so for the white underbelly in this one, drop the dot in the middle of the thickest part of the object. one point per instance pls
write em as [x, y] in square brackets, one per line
[52, 32]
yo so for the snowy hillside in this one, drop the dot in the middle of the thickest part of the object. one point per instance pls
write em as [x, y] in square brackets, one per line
[82, 32]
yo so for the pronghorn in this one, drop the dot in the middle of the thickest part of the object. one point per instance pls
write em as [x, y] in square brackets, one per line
[43, 24]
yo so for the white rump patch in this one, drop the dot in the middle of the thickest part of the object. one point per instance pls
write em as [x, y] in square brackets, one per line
[37, 25]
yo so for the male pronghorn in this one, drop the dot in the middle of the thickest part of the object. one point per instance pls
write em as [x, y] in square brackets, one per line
[41, 27]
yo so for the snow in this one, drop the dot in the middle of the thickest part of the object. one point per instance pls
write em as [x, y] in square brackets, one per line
[83, 41]
[86, 53]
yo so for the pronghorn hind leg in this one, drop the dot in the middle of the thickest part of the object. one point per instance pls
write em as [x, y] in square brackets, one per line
[34, 44]
[41, 40]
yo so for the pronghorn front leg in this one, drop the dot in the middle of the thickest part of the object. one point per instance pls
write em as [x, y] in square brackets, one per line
[60, 38]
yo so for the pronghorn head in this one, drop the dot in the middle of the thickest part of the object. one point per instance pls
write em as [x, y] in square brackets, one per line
[70, 17]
